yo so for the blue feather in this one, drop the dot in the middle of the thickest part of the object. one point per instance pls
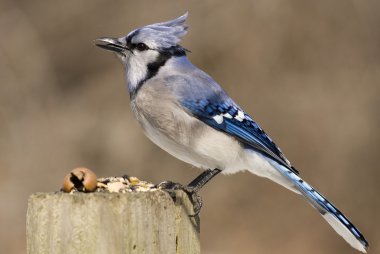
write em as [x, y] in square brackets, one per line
[324, 206]
[246, 130]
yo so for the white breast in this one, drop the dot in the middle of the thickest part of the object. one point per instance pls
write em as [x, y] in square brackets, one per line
[182, 135]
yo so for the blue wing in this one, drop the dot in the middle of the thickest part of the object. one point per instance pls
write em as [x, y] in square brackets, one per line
[206, 101]
[226, 117]
[221, 113]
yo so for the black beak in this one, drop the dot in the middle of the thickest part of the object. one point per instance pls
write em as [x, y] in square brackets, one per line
[111, 44]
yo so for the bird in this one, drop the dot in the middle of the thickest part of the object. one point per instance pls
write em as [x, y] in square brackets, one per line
[185, 111]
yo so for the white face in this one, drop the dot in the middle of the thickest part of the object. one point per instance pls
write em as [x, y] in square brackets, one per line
[136, 64]
[144, 50]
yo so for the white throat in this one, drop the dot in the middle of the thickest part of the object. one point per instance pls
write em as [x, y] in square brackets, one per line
[136, 67]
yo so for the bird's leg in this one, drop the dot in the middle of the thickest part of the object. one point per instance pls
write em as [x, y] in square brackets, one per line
[192, 188]
[202, 179]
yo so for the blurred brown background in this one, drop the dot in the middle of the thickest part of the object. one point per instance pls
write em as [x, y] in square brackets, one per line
[307, 71]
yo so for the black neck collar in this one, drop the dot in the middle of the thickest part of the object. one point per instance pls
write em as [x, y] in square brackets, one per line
[154, 67]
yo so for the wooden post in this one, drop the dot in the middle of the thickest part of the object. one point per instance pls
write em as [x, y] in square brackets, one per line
[133, 222]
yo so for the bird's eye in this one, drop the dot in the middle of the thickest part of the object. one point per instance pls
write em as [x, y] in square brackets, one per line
[141, 46]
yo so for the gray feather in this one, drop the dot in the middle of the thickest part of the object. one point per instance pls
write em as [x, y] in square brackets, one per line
[162, 35]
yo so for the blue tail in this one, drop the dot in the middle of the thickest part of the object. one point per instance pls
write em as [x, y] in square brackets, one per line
[329, 212]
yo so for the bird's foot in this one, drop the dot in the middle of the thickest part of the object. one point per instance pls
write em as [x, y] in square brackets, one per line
[195, 199]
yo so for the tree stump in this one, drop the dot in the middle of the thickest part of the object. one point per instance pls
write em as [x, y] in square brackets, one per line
[133, 222]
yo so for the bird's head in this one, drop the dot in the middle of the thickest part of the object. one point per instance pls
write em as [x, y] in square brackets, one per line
[144, 50]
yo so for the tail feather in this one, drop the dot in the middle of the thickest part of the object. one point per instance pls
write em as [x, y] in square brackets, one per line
[328, 211]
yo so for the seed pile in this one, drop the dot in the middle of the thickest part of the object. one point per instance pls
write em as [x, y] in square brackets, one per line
[124, 184]
[84, 180]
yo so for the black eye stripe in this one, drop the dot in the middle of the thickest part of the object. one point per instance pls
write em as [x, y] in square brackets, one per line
[139, 46]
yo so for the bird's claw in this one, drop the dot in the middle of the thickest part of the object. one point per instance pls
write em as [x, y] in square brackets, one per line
[195, 199]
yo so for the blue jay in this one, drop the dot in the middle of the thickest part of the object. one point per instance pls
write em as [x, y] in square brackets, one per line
[186, 113]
